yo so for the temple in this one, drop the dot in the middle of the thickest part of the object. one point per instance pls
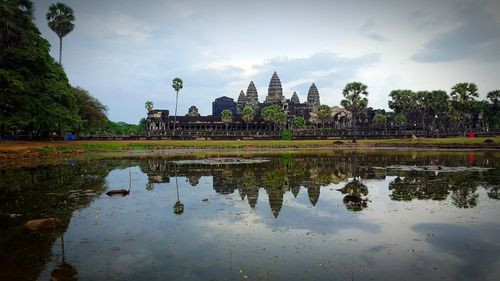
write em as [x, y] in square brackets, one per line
[160, 123]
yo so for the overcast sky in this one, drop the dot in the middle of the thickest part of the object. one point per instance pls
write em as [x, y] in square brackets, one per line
[126, 52]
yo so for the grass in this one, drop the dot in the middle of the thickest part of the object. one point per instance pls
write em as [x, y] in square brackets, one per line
[11, 148]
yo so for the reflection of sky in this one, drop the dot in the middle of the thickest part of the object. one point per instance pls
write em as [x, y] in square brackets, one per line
[138, 237]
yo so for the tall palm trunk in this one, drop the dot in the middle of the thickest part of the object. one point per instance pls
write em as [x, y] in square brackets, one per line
[353, 127]
[60, 49]
[175, 116]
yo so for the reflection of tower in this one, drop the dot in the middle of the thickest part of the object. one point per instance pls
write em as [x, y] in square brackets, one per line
[252, 196]
[243, 192]
[295, 190]
[313, 192]
[193, 180]
[275, 200]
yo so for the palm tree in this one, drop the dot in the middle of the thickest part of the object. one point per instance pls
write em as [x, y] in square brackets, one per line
[16, 18]
[248, 114]
[462, 95]
[60, 18]
[226, 116]
[177, 85]
[355, 101]
[149, 106]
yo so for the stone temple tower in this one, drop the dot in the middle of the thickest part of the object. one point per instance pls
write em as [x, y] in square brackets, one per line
[252, 96]
[275, 91]
[295, 98]
[241, 102]
[313, 97]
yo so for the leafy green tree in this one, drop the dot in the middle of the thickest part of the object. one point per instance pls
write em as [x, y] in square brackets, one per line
[36, 96]
[402, 101]
[298, 122]
[143, 125]
[177, 85]
[248, 114]
[421, 105]
[16, 18]
[273, 114]
[324, 114]
[380, 120]
[437, 103]
[462, 96]
[355, 101]
[226, 117]
[60, 18]
[492, 112]
[149, 106]
[399, 120]
[91, 111]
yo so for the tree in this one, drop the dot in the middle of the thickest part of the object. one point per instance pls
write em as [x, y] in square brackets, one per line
[324, 114]
[298, 122]
[143, 125]
[273, 114]
[380, 119]
[437, 105]
[149, 106]
[492, 112]
[36, 96]
[399, 119]
[248, 114]
[226, 117]
[355, 101]
[421, 105]
[462, 95]
[91, 111]
[60, 18]
[16, 18]
[402, 101]
[177, 85]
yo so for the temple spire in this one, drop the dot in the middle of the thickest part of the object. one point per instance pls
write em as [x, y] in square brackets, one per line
[252, 96]
[241, 102]
[313, 96]
[275, 90]
[295, 98]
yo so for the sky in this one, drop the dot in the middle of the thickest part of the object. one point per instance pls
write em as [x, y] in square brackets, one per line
[126, 52]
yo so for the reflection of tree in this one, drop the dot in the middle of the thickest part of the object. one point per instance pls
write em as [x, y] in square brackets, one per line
[355, 192]
[494, 191]
[64, 271]
[463, 190]
[418, 187]
[178, 206]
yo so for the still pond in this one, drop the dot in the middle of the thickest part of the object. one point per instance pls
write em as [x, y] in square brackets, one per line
[326, 216]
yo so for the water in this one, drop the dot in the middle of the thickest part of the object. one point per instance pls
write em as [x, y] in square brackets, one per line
[331, 216]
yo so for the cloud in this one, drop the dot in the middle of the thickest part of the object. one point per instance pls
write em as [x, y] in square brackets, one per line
[476, 37]
[326, 69]
[367, 31]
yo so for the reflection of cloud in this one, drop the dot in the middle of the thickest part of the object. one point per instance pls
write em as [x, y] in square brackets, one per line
[477, 247]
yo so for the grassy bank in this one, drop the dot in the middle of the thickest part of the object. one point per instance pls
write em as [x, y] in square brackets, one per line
[11, 149]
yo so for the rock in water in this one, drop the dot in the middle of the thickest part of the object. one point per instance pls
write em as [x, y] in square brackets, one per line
[43, 223]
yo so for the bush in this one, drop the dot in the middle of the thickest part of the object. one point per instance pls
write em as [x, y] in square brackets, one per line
[488, 141]
[286, 135]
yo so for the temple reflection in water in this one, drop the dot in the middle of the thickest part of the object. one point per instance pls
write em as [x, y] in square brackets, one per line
[347, 172]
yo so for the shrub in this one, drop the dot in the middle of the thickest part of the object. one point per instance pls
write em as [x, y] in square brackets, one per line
[488, 141]
[286, 135]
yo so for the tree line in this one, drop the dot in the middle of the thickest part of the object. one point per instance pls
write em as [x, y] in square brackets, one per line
[36, 98]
